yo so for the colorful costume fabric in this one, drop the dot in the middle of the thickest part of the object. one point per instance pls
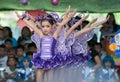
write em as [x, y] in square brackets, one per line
[53, 53]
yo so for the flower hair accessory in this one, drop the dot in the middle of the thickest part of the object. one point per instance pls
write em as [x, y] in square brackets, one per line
[55, 16]
[52, 16]
[75, 19]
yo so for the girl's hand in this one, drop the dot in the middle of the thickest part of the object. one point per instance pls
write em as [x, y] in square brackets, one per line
[19, 16]
[80, 21]
[99, 24]
[68, 16]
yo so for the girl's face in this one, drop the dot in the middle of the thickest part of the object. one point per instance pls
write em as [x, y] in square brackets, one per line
[20, 52]
[26, 63]
[11, 62]
[108, 64]
[46, 27]
[26, 32]
[8, 45]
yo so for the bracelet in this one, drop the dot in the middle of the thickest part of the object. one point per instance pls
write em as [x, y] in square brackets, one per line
[25, 16]
[36, 19]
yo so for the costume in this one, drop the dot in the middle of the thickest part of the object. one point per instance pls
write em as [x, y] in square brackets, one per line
[65, 63]
[108, 75]
[25, 73]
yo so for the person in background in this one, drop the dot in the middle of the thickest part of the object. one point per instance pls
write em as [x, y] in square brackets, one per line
[11, 71]
[8, 35]
[108, 73]
[1, 36]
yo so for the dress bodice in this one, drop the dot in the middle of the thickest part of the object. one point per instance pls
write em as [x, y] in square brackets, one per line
[47, 47]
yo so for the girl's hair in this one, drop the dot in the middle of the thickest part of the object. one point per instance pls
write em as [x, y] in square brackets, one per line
[25, 28]
[9, 30]
[23, 59]
[47, 17]
[73, 21]
[110, 59]
[114, 21]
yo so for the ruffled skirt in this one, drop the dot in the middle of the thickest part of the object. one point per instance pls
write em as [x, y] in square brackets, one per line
[59, 60]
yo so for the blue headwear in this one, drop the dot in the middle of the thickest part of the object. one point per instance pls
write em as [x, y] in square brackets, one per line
[110, 59]
[24, 59]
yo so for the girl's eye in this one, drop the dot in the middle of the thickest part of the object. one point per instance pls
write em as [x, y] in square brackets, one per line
[42, 26]
[48, 26]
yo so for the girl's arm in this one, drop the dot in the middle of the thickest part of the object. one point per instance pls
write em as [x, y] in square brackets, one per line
[66, 18]
[76, 25]
[90, 26]
[98, 62]
[32, 24]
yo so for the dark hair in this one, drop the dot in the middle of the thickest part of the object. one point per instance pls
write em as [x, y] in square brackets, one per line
[73, 21]
[31, 45]
[20, 39]
[84, 23]
[20, 47]
[25, 27]
[48, 18]
[29, 53]
[110, 59]
[8, 40]
[9, 30]
[91, 43]
[2, 46]
[99, 44]
[114, 21]
[1, 29]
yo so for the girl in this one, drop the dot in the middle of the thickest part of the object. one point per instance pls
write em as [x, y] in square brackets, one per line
[107, 72]
[47, 59]
[10, 71]
[25, 72]
[54, 55]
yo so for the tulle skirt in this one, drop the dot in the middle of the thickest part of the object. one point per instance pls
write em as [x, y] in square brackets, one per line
[67, 73]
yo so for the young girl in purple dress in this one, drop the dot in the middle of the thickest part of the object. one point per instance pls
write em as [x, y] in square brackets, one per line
[52, 50]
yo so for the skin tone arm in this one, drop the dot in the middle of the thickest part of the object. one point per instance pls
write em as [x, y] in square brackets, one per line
[32, 25]
[98, 62]
[90, 26]
[66, 18]
[76, 25]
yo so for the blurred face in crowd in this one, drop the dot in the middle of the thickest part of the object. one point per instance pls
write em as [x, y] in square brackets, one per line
[1, 34]
[20, 52]
[11, 62]
[2, 52]
[8, 44]
[98, 48]
[108, 64]
[26, 63]
[26, 32]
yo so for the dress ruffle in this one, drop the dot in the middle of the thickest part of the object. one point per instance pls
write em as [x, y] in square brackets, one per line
[59, 60]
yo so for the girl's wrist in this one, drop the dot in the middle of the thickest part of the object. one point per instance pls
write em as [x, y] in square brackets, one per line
[25, 16]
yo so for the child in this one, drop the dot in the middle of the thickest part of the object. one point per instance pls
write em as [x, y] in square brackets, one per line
[108, 73]
[10, 71]
[25, 72]
[50, 54]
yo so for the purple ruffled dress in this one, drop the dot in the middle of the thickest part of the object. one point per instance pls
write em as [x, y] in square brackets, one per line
[78, 47]
[47, 56]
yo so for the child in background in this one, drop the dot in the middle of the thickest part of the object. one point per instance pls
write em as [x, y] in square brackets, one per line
[10, 71]
[25, 72]
[108, 72]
